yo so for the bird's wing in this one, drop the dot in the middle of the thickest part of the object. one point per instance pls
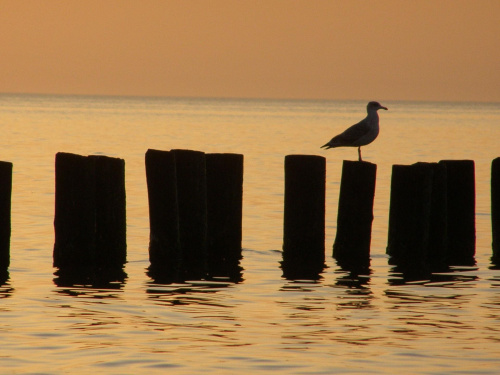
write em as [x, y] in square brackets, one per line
[352, 133]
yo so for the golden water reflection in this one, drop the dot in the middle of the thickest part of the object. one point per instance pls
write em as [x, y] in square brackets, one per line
[378, 320]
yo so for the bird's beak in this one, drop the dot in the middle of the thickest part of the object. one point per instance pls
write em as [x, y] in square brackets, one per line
[384, 108]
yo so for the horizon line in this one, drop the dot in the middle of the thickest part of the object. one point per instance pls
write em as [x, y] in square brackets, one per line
[188, 97]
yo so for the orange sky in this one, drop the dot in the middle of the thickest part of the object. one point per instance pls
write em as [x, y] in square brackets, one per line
[331, 49]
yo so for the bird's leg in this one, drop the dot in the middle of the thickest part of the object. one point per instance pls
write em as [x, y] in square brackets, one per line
[359, 153]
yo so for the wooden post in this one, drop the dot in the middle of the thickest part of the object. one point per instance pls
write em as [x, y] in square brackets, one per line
[110, 210]
[409, 215]
[461, 211]
[355, 214]
[438, 225]
[304, 216]
[192, 201]
[5, 213]
[224, 213]
[90, 219]
[74, 221]
[164, 244]
[495, 209]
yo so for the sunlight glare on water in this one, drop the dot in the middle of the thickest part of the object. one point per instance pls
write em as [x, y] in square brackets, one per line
[375, 323]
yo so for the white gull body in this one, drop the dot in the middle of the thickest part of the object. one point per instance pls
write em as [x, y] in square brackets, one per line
[360, 134]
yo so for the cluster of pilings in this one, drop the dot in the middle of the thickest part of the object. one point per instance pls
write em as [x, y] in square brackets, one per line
[431, 216]
[195, 210]
[90, 217]
[304, 216]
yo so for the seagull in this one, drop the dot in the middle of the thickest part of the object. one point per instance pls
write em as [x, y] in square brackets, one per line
[360, 134]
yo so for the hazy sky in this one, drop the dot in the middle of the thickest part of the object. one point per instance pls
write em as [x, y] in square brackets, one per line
[331, 49]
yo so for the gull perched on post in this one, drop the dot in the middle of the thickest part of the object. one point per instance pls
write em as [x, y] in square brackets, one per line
[360, 134]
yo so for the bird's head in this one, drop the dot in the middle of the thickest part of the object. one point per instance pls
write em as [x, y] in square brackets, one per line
[375, 106]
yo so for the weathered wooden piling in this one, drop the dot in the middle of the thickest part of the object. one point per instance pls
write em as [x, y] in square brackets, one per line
[192, 202]
[224, 213]
[409, 215]
[495, 209]
[5, 213]
[74, 221]
[164, 244]
[110, 210]
[90, 215]
[461, 211]
[355, 214]
[438, 224]
[304, 216]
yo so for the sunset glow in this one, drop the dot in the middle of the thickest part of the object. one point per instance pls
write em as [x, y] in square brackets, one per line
[329, 49]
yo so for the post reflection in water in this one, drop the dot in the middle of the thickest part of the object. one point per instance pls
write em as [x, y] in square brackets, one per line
[316, 311]
[6, 289]
[296, 271]
[455, 275]
[188, 293]
[99, 283]
[197, 310]
[356, 284]
[430, 311]
[230, 271]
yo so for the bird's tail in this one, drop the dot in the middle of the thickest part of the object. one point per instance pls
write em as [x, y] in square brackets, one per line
[326, 146]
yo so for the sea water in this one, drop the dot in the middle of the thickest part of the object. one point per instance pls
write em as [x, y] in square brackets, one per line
[375, 323]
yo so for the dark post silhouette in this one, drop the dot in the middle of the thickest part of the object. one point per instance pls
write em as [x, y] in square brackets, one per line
[438, 226]
[74, 221]
[192, 202]
[90, 215]
[224, 212]
[495, 209]
[110, 210]
[304, 216]
[409, 215]
[5, 213]
[355, 214]
[461, 211]
[164, 244]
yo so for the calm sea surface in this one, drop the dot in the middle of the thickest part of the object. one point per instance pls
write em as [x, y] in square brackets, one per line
[372, 324]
